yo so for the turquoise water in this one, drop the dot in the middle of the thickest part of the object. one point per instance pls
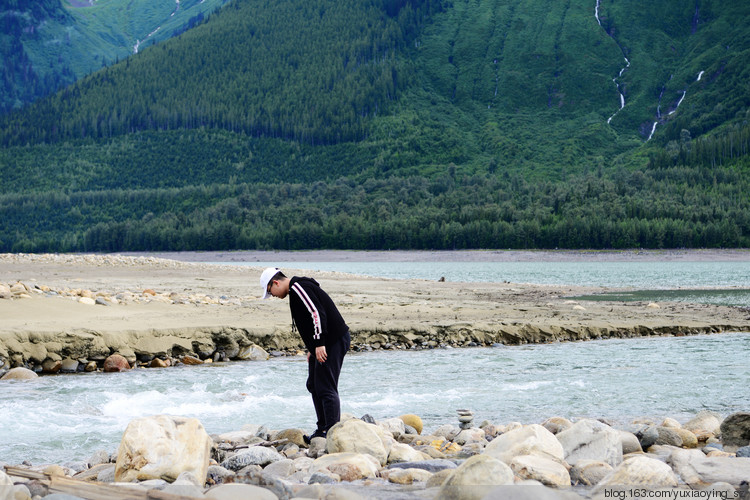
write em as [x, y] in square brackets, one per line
[650, 281]
[66, 418]
[648, 275]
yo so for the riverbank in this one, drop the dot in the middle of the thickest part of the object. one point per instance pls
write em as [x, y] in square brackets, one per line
[84, 308]
[397, 458]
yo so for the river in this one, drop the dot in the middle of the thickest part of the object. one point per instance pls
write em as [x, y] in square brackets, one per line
[58, 419]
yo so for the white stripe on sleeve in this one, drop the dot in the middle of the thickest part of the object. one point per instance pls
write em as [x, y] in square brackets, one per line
[311, 308]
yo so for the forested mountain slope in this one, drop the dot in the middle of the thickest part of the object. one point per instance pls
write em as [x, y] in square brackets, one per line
[48, 44]
[399, 123]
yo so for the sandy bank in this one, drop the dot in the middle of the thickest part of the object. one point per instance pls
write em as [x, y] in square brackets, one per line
[201, 309]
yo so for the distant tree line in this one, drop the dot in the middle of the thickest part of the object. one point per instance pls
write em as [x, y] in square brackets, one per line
[668, 207]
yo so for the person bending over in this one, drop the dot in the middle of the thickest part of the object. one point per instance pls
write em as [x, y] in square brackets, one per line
[326, 337]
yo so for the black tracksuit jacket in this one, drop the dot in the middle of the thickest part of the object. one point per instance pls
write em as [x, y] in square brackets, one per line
[314, 314]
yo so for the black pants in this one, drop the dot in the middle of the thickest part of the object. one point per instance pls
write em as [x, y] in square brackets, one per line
[323, 382]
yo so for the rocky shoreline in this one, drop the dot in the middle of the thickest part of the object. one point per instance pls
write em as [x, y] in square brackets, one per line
[396, 458]
[67, 313]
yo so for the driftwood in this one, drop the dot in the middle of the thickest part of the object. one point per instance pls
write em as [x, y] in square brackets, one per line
[91, 490]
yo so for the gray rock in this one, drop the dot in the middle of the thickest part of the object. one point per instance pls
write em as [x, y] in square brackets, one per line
[187, 477]
[69, 365]
[668, 436]
[239, 492]
[321, 477]
[184, 490]
[722, 490]
[474, 478]
[589, 472]
[77, 467]
[428, 465]
[704, 423]
[697, 470]
[744, 452]
[255, 455]
[250, 469]
[630, 443]
[530, 491]
[647, 437]
[639, 470]
[107, 474]
[317, 447]
[154, 484]
[557, 424]
[36, 488]
[591, 440]
[217, 474]
[282, 468]
[260, 478]
[713, 446]
[99, 457]
[735, 431]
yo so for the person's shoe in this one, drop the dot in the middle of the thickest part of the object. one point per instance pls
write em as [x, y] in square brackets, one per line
[317, 433]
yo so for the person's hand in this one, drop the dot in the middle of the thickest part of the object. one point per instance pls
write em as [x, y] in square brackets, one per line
[320, 354]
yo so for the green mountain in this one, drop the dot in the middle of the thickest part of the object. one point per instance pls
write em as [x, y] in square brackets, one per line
[398, 124]
[48, 44]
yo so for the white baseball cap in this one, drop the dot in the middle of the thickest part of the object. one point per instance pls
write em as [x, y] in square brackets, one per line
[266, 277]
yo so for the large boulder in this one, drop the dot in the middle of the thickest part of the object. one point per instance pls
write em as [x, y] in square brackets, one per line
[474, 478]
[349, 466]
[735, 431]
[163, 447]
[6, 487]
[546, 471]
[699, 471]
[639, 470]
[527, 440]
[357, 436]
[591, 440]
[19, 373]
